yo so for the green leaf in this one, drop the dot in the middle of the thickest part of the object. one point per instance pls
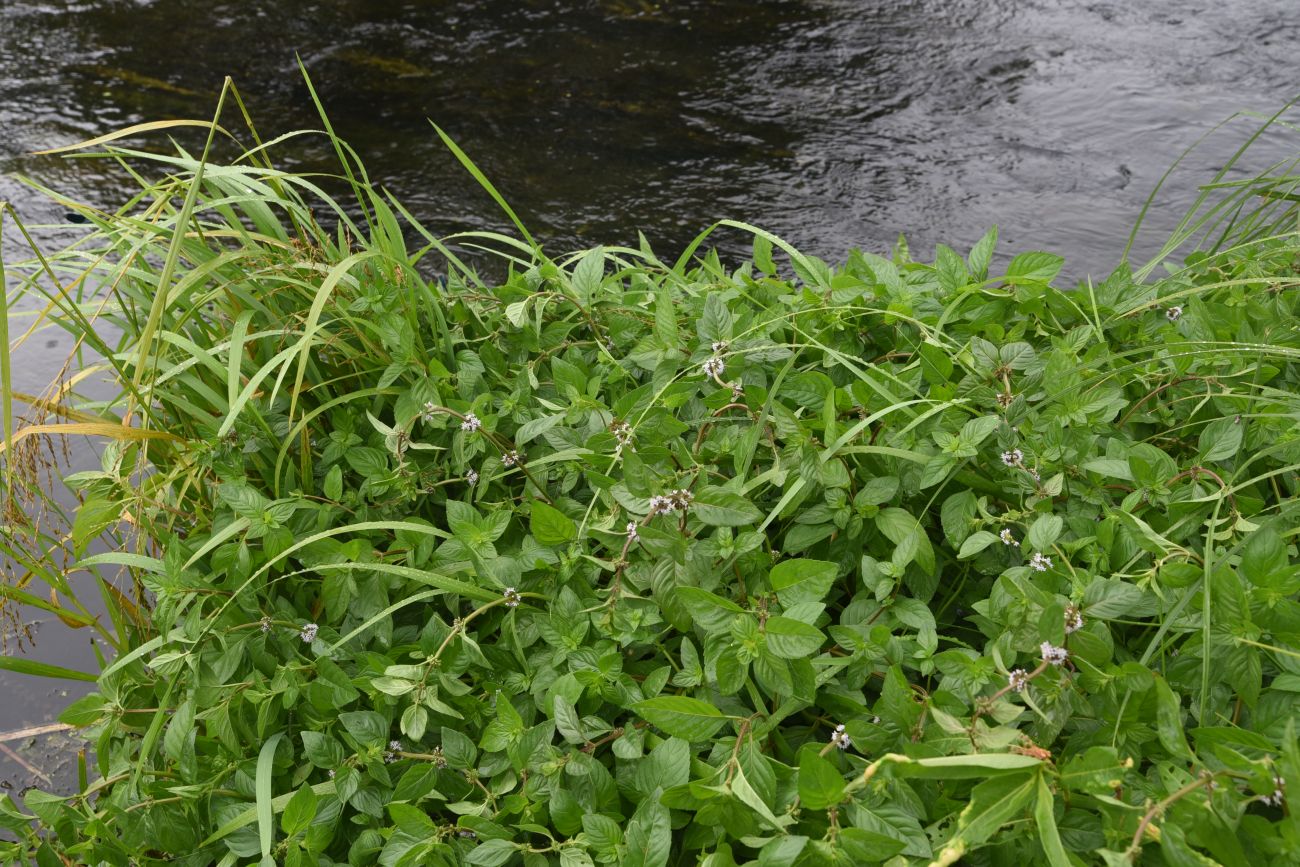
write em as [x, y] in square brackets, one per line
[820, 784]
[993, 803]
[1220, 439]
[649, 835]
[791, 639]
[977, 430]
[299, 812]
[1044, 532]
[1034, 268]
[719, 508]
[262, 788]
[975, 543]
[491, 853]
[550, 526]
[709, 610]
[367, 727]
[43, 669]
[799, 581]
[1048, 835]
[682, 716]
[982, 254]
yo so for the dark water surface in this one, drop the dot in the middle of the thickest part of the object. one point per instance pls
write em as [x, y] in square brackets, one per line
[835, 124]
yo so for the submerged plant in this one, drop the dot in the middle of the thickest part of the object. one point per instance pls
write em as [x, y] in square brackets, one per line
[486, 572]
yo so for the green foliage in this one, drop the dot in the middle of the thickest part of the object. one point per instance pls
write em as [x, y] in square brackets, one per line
[610, 561]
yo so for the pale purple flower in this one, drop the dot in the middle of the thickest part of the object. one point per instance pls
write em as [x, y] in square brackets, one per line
[1018, 680]
[308, 633]
[1279, 793]
[1013, 458]
[471, 423]
[430, 410]
[391, 755]
[713, 367]
[632, 531]
[1054, 655]
[511, 458]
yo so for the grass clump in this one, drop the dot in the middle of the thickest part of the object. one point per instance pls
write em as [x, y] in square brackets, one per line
[619, 561]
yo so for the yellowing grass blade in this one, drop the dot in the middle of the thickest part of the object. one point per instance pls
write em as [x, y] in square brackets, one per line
[133, 130]
[93, 429]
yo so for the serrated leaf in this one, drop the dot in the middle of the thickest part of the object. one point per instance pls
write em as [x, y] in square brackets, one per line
[550, 526]
[798, 581]
[820, 784]
[682, 716]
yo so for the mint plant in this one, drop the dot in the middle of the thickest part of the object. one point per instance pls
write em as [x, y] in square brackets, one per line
[611, 560]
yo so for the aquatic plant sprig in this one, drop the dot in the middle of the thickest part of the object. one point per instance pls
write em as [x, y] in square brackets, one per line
[849, 499]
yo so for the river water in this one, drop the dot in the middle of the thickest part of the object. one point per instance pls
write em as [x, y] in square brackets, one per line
[834, 124]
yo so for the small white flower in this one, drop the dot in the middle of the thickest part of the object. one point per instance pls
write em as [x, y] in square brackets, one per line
[308, 633]
[471, 477]
[840, 737]
[1073, 619]
[511, 458]
[466, 833]
[439, 760]
[471, 423]
[512, 597]
[713, 367]
[1040, 562]
[1054, 655]
[1279, 793]
[719, 346]
[623, 433]
[390, 755]
[678, 500]
[1174, 313]
[331, 773]
[631, 531]
[1007, 538]
[1018, 680]
[430, 410]
[1013, 458]
[265, 625]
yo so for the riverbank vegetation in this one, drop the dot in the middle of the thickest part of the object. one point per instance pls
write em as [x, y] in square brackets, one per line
[610, 559]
